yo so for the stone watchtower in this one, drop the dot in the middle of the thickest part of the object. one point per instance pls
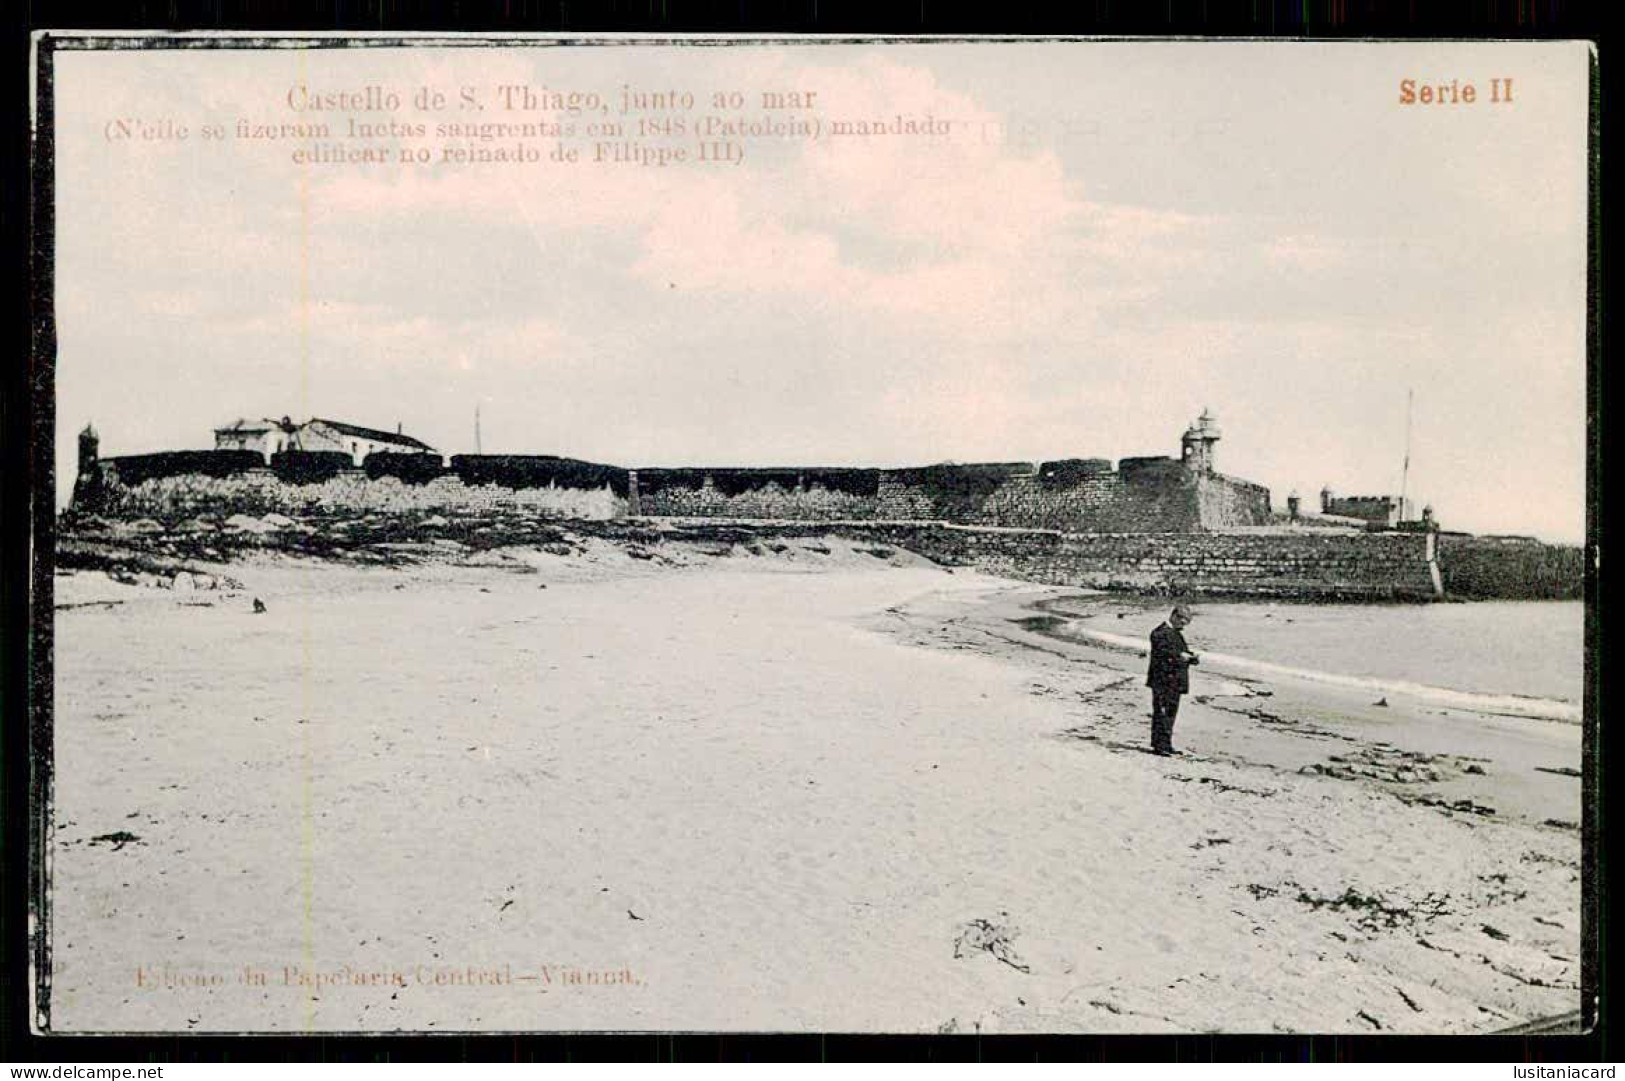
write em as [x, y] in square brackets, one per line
[1197, 443]
[89, 449]
[87, 485]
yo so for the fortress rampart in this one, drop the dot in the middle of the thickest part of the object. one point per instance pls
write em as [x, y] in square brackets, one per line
[1150, 524]
[1145, 495]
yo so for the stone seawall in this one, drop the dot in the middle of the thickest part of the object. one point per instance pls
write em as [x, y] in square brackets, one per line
[1487, 568]
[1367, 567]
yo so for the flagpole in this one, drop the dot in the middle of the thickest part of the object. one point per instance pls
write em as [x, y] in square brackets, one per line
[1405, 470]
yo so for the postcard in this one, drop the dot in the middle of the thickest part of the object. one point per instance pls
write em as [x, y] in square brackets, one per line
[812, 534]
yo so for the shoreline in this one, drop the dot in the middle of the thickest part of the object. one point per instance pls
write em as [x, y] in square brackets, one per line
[1509, 705]
[1408, 726]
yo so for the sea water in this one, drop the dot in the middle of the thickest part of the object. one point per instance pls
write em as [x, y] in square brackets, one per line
[1526, 648]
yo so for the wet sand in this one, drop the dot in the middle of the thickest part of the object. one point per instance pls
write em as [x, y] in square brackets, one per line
[811, 789]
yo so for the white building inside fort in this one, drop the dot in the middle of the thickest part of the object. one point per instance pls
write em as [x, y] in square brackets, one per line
[267, 437]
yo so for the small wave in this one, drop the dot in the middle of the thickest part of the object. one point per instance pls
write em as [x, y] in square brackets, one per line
[1511, 705]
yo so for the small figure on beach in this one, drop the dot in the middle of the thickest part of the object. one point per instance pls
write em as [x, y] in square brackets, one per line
[1168, 677]
[259, 606]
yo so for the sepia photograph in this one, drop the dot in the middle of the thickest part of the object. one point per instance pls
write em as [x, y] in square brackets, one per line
[571, 533]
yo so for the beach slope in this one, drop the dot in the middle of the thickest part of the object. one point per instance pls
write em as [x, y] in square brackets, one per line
[816, 786]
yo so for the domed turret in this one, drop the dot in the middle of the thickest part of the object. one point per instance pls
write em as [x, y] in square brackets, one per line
[1197, 443]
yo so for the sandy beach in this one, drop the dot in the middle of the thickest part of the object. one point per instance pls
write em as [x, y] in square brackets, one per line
[810, 786]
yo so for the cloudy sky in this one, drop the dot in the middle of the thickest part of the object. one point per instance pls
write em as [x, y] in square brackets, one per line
[1112, 237]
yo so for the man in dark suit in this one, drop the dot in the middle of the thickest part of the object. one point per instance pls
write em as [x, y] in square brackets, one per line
[1168, 677]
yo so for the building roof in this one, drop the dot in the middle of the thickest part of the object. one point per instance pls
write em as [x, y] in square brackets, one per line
[374, 434]
[243, 425]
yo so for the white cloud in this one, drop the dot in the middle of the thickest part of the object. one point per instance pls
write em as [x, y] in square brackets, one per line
[898, 298]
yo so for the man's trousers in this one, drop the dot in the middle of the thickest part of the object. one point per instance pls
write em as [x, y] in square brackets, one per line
[1164, 708]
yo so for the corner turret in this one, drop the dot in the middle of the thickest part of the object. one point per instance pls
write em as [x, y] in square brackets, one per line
[87, 483]
[1197, 443]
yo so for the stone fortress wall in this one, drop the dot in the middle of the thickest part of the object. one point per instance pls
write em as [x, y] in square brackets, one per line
[1145, 496]
[1141, 495]
[1158, 524]
[1162, 501]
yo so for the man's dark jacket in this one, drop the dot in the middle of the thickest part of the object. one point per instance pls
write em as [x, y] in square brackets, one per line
[1170, 671]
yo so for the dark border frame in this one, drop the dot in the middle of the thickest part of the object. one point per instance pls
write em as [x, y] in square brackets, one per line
[27, 417]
